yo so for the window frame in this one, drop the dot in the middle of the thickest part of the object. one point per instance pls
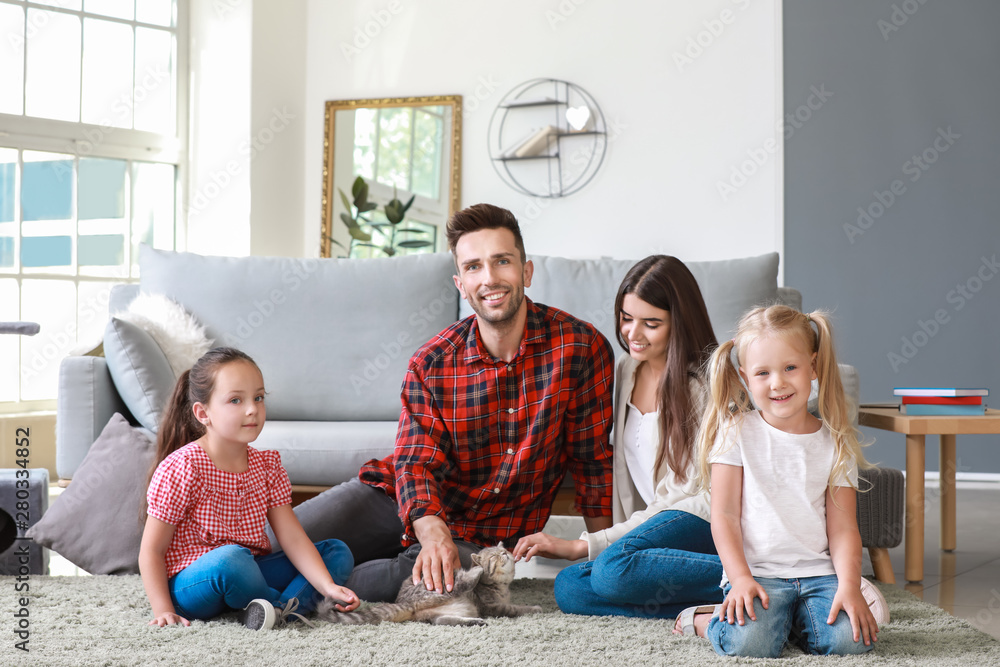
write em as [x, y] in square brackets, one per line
[85, 140]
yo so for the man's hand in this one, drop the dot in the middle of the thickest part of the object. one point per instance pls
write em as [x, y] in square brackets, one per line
[438, 558]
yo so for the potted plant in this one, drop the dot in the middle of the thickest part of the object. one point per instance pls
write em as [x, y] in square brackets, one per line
[361, 227]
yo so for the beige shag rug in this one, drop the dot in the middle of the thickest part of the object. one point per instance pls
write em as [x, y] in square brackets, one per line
[102, 620]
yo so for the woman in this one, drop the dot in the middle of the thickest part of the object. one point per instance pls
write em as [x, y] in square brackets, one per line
[658, 558]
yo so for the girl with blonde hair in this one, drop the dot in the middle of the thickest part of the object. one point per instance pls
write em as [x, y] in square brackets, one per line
[783, 488]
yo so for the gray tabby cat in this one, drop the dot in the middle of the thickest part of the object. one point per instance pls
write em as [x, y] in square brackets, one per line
[482, 590]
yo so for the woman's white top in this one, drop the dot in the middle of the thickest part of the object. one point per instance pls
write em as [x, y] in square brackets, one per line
[641, 443]
[628, 509]
[783, 513]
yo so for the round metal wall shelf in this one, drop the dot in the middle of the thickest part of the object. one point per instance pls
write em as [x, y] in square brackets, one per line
[547, 138]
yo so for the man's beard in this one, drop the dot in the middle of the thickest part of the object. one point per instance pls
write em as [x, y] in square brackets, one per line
[505, 316]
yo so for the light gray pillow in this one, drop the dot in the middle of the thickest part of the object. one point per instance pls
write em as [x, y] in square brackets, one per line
[140, 370]
[95, 523]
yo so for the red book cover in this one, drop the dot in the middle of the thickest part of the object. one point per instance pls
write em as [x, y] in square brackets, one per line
[942, 400]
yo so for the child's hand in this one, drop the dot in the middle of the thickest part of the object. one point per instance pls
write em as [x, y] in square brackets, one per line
[344, 597]
[740, 597]
[169, 618]
[863, 623]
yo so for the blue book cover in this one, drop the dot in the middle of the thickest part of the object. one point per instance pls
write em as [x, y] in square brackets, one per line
[920, 409]
[939, 391]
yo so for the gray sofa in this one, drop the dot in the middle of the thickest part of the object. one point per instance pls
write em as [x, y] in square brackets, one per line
[333, 337]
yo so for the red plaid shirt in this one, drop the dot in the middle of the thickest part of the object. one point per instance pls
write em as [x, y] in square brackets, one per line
[485, 444]
[211, 508]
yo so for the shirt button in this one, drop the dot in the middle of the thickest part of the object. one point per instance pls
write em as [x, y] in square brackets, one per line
[510, 411]
[510, 451]
[496, 490]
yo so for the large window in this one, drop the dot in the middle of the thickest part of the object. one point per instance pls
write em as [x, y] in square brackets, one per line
[91, 146]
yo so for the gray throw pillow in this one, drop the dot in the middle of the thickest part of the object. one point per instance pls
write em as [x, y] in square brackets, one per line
[141, 372]
[94, 523]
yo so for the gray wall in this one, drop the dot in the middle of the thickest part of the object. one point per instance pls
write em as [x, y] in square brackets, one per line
[914, 285]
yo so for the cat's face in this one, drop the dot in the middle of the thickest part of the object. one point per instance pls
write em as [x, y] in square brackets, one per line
[497, 563]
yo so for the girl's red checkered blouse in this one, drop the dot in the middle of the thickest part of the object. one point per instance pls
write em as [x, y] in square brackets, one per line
[210, 508]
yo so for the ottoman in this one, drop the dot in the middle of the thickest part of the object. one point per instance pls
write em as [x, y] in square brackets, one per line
[880, 516]
[21, 506]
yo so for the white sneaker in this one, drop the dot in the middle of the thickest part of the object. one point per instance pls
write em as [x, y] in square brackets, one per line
[259, 615]
[876, 602]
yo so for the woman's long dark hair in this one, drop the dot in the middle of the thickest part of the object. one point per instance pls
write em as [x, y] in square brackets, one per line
[178, 426]
[665, 282]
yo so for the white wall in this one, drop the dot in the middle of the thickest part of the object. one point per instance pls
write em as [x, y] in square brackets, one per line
[217, 197]
[676, 130]
[278, 204]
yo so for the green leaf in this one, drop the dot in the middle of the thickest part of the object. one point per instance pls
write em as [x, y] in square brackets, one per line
[367, 206]
[348, 220]
[356, 188]
[409, 204]
[415, 243]
[411, 231]
[361, 198]
[389, 251]
[394, 211]
[359, 234]
[347, 202]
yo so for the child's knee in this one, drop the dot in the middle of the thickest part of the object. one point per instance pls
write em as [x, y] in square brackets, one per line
[338, 559]
[751, 640]
[763, 638]
[838, 639]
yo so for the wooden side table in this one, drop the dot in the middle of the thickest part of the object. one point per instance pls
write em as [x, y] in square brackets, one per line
[915, 428]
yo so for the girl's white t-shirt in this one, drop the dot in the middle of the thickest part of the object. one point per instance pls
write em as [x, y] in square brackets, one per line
[785, 478]
[641, 439]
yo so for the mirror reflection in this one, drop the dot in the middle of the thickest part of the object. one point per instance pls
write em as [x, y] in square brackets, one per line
[390, 175]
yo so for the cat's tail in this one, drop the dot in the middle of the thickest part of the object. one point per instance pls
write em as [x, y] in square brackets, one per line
[369, 615]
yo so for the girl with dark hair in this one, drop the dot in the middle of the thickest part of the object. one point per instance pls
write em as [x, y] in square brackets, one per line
[204, 550]
[658, 557]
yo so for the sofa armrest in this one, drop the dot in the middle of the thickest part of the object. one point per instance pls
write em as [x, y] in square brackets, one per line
[86, 401]
[852, 389]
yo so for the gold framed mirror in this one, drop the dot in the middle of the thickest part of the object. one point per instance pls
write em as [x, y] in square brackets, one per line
[403, 147]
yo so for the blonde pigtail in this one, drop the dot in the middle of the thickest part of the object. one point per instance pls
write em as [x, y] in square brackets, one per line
[727, 398]
[834, 408]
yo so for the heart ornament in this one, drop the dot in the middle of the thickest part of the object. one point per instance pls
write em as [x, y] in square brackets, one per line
[578, 118]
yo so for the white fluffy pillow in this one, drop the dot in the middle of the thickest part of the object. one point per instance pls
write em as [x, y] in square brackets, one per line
[179, 335]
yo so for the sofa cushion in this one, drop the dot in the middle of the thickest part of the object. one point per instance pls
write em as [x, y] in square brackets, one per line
[586, 288]
[140, 370]
[95, 522]
[332, 337]
[325, 454]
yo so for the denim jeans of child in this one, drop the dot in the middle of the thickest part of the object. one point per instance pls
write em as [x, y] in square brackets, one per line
[229, 577]
[797, 608]
[654, 571]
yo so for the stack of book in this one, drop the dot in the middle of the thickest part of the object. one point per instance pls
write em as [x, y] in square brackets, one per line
[941, 400]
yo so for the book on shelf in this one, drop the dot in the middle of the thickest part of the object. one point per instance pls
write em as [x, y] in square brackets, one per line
[928, 409]
[939, 391]
[538, 143]
[511, 150]
[942, 400]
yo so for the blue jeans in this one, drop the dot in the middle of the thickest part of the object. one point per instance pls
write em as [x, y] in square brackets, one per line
[654, 571]
[230, 577]
[796, 607]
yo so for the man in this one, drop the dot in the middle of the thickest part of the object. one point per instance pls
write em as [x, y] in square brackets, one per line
[495, 409]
